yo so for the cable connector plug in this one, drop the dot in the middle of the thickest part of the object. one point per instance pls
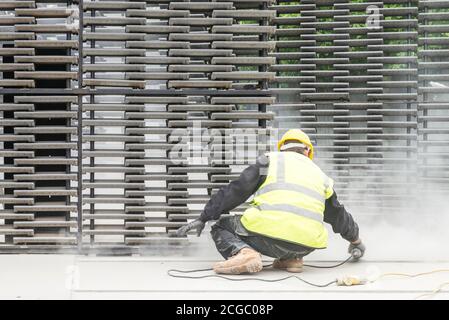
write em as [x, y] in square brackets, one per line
[351, 281]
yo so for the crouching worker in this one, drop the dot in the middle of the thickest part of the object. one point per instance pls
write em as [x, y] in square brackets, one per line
[292, 199]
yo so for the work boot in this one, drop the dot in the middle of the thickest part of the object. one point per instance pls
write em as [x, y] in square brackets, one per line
[290, 265]
[246, 261]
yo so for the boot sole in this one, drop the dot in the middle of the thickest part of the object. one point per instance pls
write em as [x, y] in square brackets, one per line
[289, 269]
[292, 270]
[253, 265]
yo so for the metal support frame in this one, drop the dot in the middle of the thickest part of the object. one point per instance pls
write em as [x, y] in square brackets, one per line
[310, 87]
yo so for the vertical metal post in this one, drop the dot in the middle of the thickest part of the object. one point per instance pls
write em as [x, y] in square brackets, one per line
[92, 142]
[262, 123]
[80, 128]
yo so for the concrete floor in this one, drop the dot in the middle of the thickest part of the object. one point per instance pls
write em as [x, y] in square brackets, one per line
[145, 277]
[75, 277]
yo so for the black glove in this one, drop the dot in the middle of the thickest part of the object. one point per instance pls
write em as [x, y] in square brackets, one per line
[357, 250]
[195, 224]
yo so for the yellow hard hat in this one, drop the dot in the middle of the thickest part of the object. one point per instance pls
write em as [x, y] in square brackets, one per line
[298, 135]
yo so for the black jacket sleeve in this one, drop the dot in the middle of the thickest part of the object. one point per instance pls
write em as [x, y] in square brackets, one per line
[236, 192]
[341, 220]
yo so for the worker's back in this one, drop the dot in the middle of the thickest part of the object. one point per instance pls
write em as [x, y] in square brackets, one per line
[289, 205]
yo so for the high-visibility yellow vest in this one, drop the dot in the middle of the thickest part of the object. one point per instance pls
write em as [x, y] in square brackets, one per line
[289, 205]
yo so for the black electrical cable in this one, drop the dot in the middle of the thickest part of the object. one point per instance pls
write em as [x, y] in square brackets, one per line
[328, 267]
[170, 273]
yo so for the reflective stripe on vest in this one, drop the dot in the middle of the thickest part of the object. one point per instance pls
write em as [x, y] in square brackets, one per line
[291, 209]
[290, 187]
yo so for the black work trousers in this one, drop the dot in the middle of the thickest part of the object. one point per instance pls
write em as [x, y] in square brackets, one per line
[230, 236]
